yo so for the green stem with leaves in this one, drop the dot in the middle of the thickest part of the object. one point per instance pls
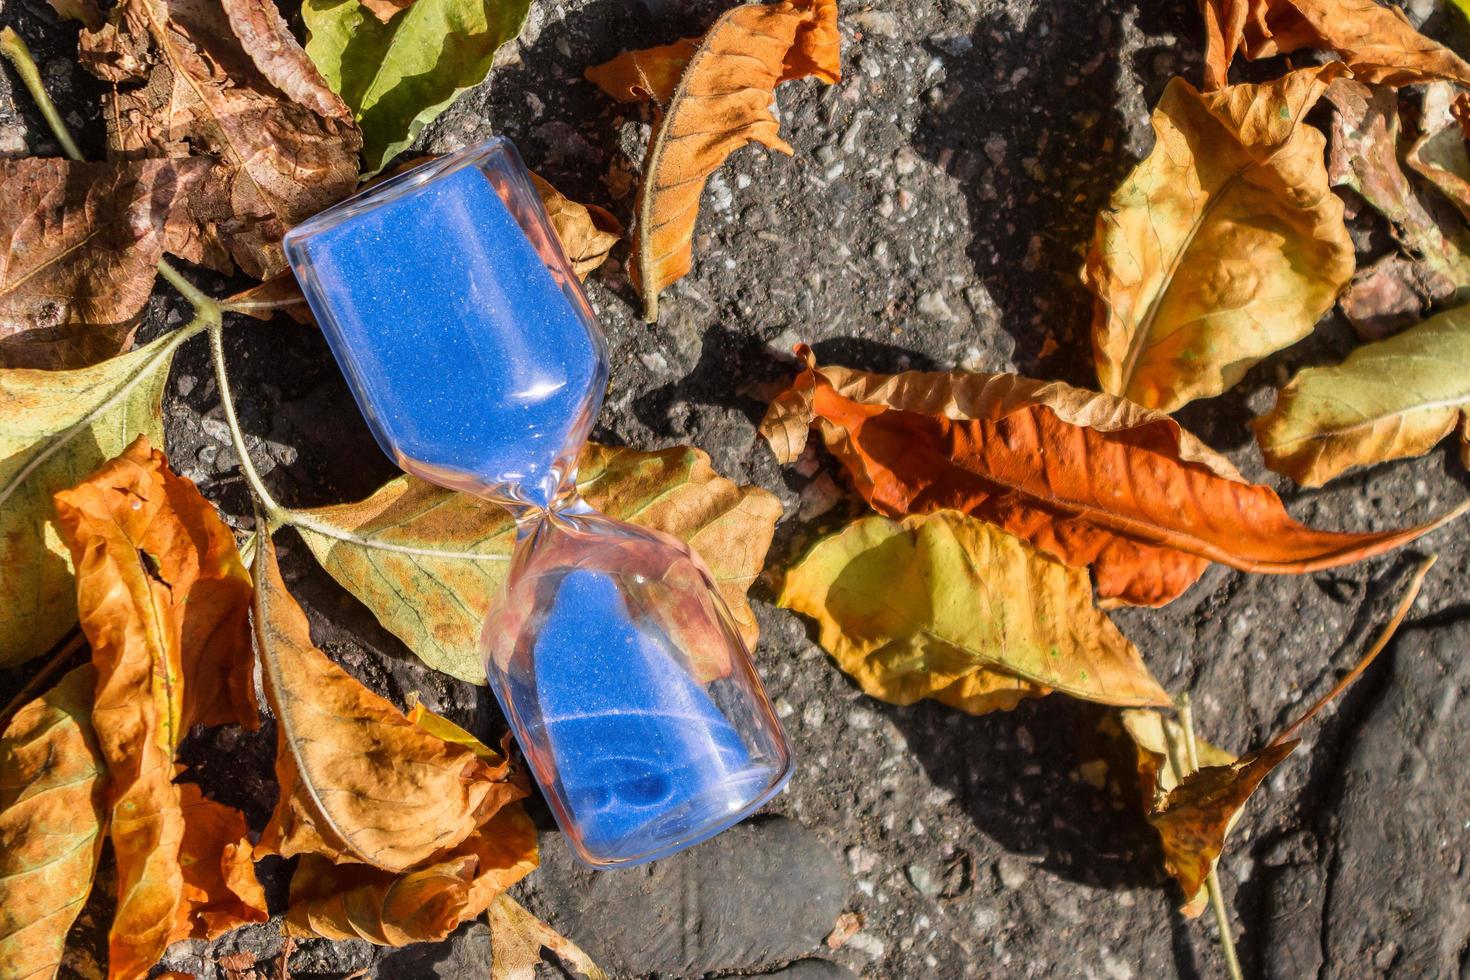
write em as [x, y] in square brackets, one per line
[1212, 880]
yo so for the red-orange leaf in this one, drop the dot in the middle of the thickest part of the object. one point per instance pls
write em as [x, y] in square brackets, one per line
[1086, 477]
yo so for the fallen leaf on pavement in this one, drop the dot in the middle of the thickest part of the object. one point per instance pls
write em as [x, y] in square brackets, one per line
[163, 600]
[81, 244]
[225, 81]
[1388, 400]
[429, 562]
[359, 781]
[587, 232]
[1087, 478]
[1441, 154]
[400, 75]
[721, 102]
[1388, 296]
[1224, 245]
[1376, 40]
[517, 938]
[947, 607]
[52, 815]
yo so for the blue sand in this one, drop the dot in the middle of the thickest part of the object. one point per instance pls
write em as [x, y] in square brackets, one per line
[462, 350]
[633, 736]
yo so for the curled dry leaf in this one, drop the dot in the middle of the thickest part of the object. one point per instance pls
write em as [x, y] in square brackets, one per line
[385, 9]
[225, 81]
[720, 103]
[428, 562]
[1388, 400]
[1086, 478]
[1224, 245]
[1440, 154]
[517, 938]
[944, 606]
[587, 232]
[278, 294]
[56, 427]
[79, 247]
[1375, 40]
[359, 781]
[399, 75]
[52, 815]
[163, 600]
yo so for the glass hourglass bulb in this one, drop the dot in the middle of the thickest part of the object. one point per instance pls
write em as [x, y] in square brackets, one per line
[479, 366]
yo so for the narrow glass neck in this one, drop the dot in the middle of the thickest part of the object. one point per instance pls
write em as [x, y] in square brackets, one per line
[529, 518]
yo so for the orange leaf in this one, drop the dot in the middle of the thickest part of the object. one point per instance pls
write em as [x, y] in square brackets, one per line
[359, 781]
[163, 600]
[720, 103]
[1375, 40]
[587, 232]
[1085, 477]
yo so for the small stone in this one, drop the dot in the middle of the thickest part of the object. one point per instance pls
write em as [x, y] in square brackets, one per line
[848, 923]
[1383, 959]
[876, 22]
[905, 161]
[1094, 772]
[933, 305]
[922, 879]
[867, 944]
[1012, 871]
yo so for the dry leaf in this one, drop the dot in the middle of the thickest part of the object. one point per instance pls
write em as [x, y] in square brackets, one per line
[56, 427]
[385, 9]
[1376, 40]
[223, 81]
[946, 607]
[278, 294]
[163, 600]
[1224, 245]
[721, 102]
[517, 938]
[1084, 477]
[85, 11]
[587, 232]
[1440, 154]
[52, 814]
[1388, 296]
[81, 244]
[429, 562]
[359, 781]
[1388, 400]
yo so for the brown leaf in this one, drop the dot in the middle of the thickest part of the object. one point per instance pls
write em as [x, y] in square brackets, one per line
[359, 781]
[517, 938]
[587, 232]
[201, 79]
[1375, 40]
[84, 11]
[1082, 476]
[721, 103]
[1388, 296]
[81, 244]
[52, 815]
[1224, 245]
[1441, 154]
[385, 9]
[280, 293]
[163, 600]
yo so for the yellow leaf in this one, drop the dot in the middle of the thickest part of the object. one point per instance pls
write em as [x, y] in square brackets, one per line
[721, 103]
[517, 938]
[947, 607]
[56, 427]
[587, 232]
[1396, 398]
[359, 781]
[163, 600]
[428, 562]
[1224, 245]
[52, 814]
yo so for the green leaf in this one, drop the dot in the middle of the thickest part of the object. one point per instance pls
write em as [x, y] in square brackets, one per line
[56, 427]
[399, 76]
[1389, 400]
[947, 607]
[428, 562]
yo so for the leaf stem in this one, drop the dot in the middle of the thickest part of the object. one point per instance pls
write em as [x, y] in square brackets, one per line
[13, 47]
[1212, 880]
[275, 514]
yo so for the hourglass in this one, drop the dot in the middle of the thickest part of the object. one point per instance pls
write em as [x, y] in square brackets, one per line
[473, 353]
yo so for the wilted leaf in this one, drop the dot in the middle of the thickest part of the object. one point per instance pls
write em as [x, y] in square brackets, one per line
[400, 75]
[79, 247]
[84, 11]
[429, 562]
[52, 814]
[56, 427]
[1376, 40]
[278, 294]
[517, 938]
[587, 232]
[1086, 478]
[163, 601]
[1388, 400]
[947, 607]
[1364, 156]
[385, 9]
[721, 102]
[1224, 245]
[359, 781]
[1440, 154]
[1388, 296]
[1193, 811]
[226, 81]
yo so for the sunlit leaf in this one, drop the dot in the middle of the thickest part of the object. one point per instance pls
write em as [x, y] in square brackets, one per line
[517, 938]
[587, 232]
